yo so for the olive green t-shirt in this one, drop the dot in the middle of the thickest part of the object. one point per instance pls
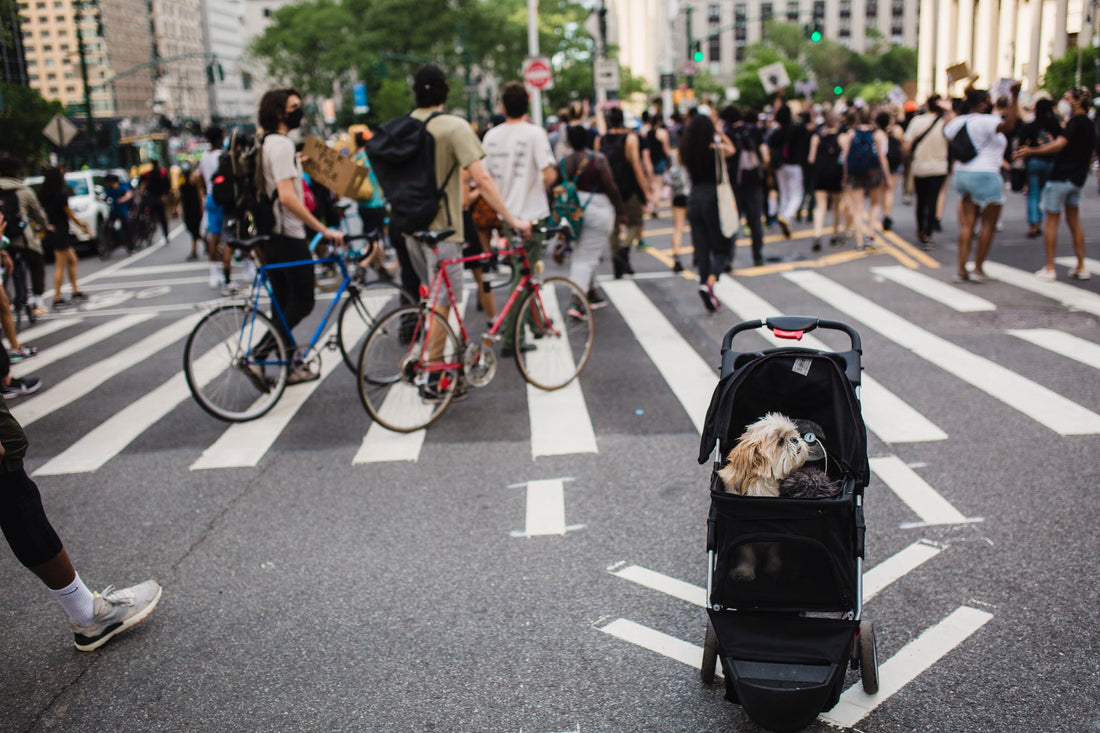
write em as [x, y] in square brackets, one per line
[12, 438]
[456, 147]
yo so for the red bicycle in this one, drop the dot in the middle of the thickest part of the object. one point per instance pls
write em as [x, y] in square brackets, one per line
[414, 363]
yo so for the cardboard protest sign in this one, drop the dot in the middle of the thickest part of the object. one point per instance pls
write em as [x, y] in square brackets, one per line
[332, 169]
[774, 77]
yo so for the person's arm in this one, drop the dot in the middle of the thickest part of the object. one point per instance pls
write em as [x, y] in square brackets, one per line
[882, 142]
[607, 185]
[1008, 124]
[1054, 146]
[78, 222]
[549, 176]
[32, 209]
[727, 146]
[813, 149]
[491, 194]
[287, 195]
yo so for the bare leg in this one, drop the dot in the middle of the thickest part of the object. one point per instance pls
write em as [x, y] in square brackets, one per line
[71, 265]
[58, 273]
[1050, 236]
[821, 201]
[1073, 221]
[679, 218]
[7, 323]
[57, 572]
[968, 214]
[990, 215]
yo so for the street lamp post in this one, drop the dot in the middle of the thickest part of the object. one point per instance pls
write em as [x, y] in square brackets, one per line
[78, 15]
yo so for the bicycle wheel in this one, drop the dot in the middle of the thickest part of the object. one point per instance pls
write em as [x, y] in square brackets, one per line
[402, 389]
[361, 310]
[556, 319]
[224, 372]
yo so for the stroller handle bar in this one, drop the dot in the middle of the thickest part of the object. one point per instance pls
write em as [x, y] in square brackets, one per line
[792, 327]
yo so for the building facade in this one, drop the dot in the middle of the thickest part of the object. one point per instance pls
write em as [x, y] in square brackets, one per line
[655, 36]
[182, 74]
[232, 95]
[998, 39]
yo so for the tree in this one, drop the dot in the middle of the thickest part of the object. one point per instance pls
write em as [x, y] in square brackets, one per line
[24, 116]
[1061, 74]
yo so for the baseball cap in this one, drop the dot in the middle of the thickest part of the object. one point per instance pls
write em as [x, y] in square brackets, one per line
[813, 435]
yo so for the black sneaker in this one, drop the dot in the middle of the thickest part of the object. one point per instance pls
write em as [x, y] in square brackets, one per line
[430, 392]
[79, 296]
[20, 386]
[676, 266]
[596, 301]
[887, 223]
[784, 226]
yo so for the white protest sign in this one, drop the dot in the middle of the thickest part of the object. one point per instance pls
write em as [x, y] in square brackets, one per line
[774, 77]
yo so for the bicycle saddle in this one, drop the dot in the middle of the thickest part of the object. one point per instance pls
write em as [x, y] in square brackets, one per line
[433, 236]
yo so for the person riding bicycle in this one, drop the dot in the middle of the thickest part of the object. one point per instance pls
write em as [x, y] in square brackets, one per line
[26, 241]
[456, 146]
[119, 194]
[280, 112]
[520, 160]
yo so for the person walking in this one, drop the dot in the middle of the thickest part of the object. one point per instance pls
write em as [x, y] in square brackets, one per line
[1045, 128]
[702, 149]
[215, 214]
[895, 136]
[926, 148]
[785, 142]
[828, 178]
[26, 241]
[623, 150]
[678, 185]
[978, 181]
[281, 111]
[1072, 150]
[191, 206]
[604, 209]
[746, 171]
[519, 159]
[155, 188]
[55, 201]
[863, 150]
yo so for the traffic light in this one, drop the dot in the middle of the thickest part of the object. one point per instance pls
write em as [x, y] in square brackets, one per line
[697, 52]
[838, 90]
[813, 32]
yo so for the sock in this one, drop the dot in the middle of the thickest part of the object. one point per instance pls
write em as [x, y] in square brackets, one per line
[77, 601]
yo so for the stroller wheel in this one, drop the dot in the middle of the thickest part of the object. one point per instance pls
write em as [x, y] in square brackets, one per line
[868, 657]
[710, 655]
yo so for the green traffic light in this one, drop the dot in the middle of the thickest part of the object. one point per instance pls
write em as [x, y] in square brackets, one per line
[697, 56]
[815, 36]
[838, 90]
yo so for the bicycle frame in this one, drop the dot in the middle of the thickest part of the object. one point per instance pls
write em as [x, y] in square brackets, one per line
[261, 278]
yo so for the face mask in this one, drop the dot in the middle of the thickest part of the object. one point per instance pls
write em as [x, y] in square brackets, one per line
[294, 119]
[1064, 108]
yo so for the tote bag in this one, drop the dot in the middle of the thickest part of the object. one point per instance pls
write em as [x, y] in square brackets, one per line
[727, 212]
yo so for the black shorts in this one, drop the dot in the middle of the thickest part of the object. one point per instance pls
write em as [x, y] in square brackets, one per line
[680, 201]
[23, 520]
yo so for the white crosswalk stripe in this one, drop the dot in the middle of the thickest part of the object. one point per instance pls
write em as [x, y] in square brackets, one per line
[560, 422]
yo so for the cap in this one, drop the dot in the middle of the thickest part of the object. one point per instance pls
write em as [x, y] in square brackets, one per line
[814, 436]
[429, 75]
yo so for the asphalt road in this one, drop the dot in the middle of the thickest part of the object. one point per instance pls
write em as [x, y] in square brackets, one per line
[310, 592]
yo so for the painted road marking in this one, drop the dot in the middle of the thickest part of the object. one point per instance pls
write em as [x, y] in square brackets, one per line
[1070, 296]
[559, 419]
[88, 379]
[897, 566]
[885, 414]
[1033, 400]
[958, 299]
[925, 501]
[242, 445]
[84, 340]
[1062, 343]
[1093, 266]
[655, 641]
[674, 587]
[691, 378]
[545, 508]
[905, 666]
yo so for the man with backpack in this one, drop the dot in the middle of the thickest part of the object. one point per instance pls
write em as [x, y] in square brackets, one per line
[746, 173]
[623, 151]
[21, 207]
[520, 160]
[418, 159]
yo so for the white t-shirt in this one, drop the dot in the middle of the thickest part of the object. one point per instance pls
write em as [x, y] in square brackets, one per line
[515, 155]
[989, 143]
[208, 165]
[280, 163]
[930, 157]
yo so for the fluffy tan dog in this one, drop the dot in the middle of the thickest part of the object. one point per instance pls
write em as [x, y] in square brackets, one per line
[766, 453]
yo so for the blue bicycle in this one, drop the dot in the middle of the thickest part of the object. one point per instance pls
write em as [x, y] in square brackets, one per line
[237, 362]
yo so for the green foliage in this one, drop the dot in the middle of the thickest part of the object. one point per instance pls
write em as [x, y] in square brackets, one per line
[758, 56]
[24, 115]
[1061, 74]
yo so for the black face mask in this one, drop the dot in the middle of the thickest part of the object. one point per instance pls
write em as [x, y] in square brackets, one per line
[294, 119]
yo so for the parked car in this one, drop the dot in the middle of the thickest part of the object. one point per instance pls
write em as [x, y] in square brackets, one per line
[88, 200]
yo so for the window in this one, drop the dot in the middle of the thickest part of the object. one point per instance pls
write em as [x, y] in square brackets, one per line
[792, 11]
[51, 76]
[714, 48]
[845, 9]
[47, 48]
[819, 11]
[714, 14]
[872, 9]
[740, 19]
[765, 16]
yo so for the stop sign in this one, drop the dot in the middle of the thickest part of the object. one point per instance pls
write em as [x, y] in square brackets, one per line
[537, 73]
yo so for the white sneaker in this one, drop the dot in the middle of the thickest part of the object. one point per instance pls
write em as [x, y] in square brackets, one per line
[116, 609]
[1080, 273]
[1047, 273]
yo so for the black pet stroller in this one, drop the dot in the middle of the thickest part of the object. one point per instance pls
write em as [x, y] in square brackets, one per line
[786, 637]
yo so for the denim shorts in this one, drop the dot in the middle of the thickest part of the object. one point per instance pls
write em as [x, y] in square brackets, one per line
[1057, 195]
[984, 187]
[215, 216]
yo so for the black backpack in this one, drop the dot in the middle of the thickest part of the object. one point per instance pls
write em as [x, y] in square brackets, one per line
[827, 161]
[402, 154]
[223, 184]
[13, 220]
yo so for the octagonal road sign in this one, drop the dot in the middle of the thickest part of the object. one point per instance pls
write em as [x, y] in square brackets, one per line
[537, 73]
